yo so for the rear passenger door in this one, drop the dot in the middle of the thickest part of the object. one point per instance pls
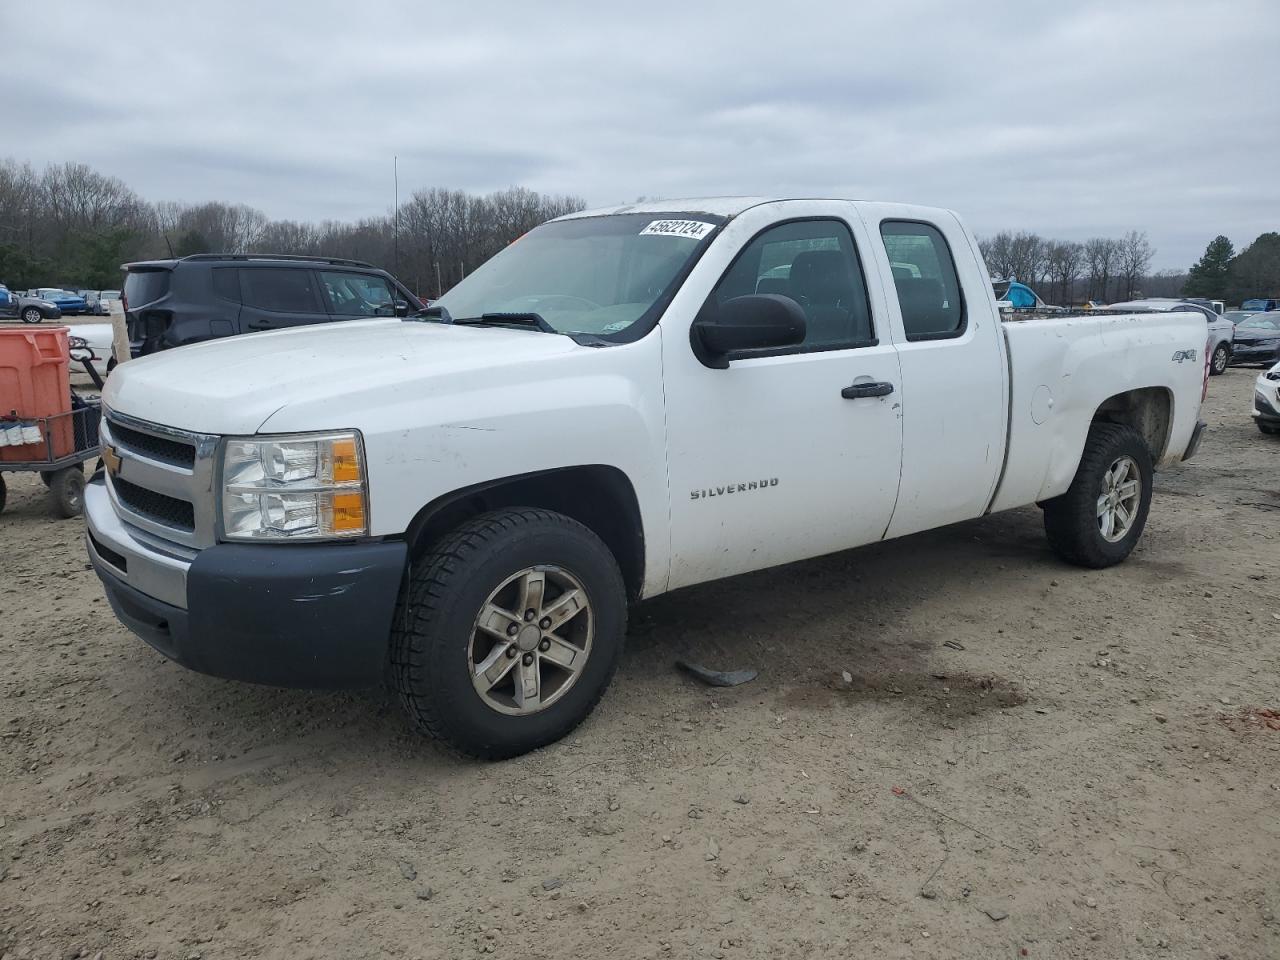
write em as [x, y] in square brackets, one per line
[954, 382]
[273, 298]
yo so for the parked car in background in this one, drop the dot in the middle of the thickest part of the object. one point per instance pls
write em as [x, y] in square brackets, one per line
[5, 299]
[1266, 401]
[1261, 305]
[97, 337]
[1217, 306]
[90, 300]
[1235, 316]
[69, 303]
[1221, 330]
[32, 309]
[105, 299]
[171, 303]
[1258, 339]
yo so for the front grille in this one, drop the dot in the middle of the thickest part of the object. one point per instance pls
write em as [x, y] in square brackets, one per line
[156, 506]
[157, 448]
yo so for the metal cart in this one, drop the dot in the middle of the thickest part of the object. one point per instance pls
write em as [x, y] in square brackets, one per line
[66, 441]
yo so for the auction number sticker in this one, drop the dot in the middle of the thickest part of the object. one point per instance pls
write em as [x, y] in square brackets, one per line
[692, 229]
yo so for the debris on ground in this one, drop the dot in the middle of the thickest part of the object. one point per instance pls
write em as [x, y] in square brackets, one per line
[1253, 718]
[717, 678]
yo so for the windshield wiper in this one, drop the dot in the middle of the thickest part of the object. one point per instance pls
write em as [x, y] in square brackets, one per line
[433, 312]
[533, 320]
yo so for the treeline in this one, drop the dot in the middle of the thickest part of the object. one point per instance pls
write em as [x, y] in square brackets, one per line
[69, 225]
[1108, 269]
[1223, 274]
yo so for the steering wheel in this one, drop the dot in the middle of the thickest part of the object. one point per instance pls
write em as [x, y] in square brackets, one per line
[584, 303]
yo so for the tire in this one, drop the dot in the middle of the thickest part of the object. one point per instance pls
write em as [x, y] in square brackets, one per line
[4, 493]
[1267, 428]
[1074, 523]
[436, 644]
[66, 492]
[1221, 357]
[32, 315]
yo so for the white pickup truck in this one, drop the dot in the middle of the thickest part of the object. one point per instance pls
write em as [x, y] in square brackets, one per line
[621, 403]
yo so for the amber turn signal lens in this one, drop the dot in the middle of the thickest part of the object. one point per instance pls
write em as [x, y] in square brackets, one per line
[346, 460]
[348, 512]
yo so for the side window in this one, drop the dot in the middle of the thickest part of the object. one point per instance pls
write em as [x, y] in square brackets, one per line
[815, 263]
[925, 277]
[226, 283]
[281, 290]
[357, 294]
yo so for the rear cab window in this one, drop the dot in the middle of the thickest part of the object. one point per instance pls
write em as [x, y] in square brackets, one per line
[924, 275]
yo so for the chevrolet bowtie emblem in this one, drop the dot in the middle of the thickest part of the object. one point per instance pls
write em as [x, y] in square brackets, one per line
[111, 460]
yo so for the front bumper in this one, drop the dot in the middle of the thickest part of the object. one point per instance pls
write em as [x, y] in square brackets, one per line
[1266, 401]
[290, 615]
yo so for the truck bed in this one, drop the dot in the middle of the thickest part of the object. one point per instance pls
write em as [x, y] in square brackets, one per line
[1064, 366]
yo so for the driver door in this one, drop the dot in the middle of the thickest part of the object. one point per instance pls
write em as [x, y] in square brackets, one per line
[777, 458]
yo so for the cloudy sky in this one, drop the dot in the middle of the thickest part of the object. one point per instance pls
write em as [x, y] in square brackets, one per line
[1069, 118]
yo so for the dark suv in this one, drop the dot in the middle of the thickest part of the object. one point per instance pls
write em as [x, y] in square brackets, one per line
[170, 303]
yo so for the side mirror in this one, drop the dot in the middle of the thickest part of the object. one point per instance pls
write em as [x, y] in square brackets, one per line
[754, 322]
[402, 308]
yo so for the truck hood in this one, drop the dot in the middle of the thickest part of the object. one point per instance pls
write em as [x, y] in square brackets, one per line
[233, 386]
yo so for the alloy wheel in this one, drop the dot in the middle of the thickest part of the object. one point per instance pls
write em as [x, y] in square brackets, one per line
[1119, 498]
[531, 640]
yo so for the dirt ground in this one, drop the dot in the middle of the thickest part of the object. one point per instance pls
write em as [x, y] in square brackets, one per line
[1031, 760]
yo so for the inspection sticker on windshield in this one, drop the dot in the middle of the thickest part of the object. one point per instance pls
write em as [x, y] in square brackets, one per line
[693, 229]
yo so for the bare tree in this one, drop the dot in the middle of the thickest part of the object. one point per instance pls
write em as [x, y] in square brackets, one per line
[1102, 254]
[1063, 261]
[1135, 255]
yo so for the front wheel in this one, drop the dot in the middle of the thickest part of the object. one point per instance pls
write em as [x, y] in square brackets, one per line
[1221, 356]
[1098, 521]
[508, 632]
[32, 315]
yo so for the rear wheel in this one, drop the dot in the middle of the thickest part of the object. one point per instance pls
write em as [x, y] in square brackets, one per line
[66, 492]
[1098, 521]
[1221, 356]
[1267, 428]
[32, 315]
[508, 632]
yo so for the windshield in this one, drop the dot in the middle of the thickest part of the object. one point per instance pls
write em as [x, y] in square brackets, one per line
[1235, 316]
[594, 275]
[1260, 322]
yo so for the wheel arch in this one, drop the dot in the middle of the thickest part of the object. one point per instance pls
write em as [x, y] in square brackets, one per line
[1149, 410]
[600, 497]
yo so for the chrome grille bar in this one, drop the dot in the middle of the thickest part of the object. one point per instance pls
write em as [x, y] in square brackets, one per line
[160, 465]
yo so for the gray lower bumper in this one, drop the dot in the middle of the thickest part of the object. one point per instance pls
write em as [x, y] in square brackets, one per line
[132, 556]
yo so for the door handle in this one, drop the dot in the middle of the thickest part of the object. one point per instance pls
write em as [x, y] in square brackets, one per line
[875, 388]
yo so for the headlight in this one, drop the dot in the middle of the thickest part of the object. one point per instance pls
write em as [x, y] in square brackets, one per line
[301, 487]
